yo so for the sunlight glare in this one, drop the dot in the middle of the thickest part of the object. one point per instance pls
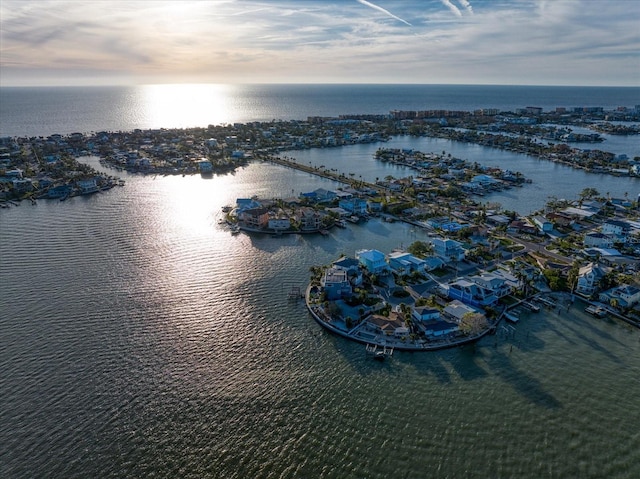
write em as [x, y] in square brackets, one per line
[186, 105]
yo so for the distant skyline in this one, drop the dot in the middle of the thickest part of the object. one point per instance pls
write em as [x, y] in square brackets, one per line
[522, 42]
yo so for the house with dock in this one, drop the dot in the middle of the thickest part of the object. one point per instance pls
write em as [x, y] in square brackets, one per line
[336, 284]
[470, 293]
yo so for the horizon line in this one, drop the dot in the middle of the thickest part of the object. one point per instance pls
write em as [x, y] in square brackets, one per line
[98, 85]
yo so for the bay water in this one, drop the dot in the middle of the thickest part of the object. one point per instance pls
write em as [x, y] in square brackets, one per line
[141, 339]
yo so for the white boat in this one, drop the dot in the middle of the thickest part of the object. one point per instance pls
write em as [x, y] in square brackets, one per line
[597, 311]
[512, 316]
[531, 307]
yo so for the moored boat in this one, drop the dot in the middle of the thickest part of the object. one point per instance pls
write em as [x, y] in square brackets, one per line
[512, 316]
[597, 311]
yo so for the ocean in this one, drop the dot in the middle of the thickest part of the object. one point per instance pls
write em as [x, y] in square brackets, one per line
[141, 339]
[39, 111]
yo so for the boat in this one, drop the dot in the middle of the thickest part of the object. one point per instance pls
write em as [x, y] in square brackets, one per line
[512, 316]
[531, 307]
[597, 311]
[379, 354]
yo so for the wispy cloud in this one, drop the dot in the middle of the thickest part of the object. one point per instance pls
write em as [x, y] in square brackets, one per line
[383, 10]
[452, 7]
[526, 42]
[466, 5]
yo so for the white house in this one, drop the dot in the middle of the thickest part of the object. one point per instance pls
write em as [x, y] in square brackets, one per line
[405, 263]
[436, 328]
[457, 309]
[589, 277]
[497, 284]
[625, 295]
[448, 249]
[425, 314]
[279, 224]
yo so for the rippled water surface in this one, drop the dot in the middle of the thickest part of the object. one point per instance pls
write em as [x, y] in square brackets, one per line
[141, 339]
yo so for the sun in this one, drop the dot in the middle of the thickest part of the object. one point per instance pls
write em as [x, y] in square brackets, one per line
[186, 105]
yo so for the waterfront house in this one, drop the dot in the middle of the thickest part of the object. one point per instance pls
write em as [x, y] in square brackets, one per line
[625, 296]
[255, 218]
[205, 166]
[402, 262]
[425, 314]
[470, 293]
[352, 267]
[279, 224]
[492, 282]
[61, 191]
[310, 219]
[448, 249]
[391, 325]
[373, 260]
[436, 328]
[22, 185]
[457, 310]
[589, 277]
[243, 204]
[355, 206]
[336, 284]
[320, 195]
[87, 186]
[374, 206]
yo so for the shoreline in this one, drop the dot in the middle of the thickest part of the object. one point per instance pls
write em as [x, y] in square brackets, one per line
[389, 342]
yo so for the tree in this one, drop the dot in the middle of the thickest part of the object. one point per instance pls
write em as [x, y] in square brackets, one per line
[420, 249]
[473, 323]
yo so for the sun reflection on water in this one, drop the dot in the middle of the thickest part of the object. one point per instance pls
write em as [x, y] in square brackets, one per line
[186, 105]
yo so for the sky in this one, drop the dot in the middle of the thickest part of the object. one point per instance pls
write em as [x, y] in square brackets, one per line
[522, 42]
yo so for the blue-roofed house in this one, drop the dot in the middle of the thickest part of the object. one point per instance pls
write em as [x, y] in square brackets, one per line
[246, 204]
[373, 260]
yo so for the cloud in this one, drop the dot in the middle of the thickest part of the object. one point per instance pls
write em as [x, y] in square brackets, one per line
[452, 7]
[466, 5]
[380, 9]
[526, 42]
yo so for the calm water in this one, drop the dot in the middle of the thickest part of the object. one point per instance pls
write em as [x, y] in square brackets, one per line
[548, 178]
[141, 339]
[44, 111]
